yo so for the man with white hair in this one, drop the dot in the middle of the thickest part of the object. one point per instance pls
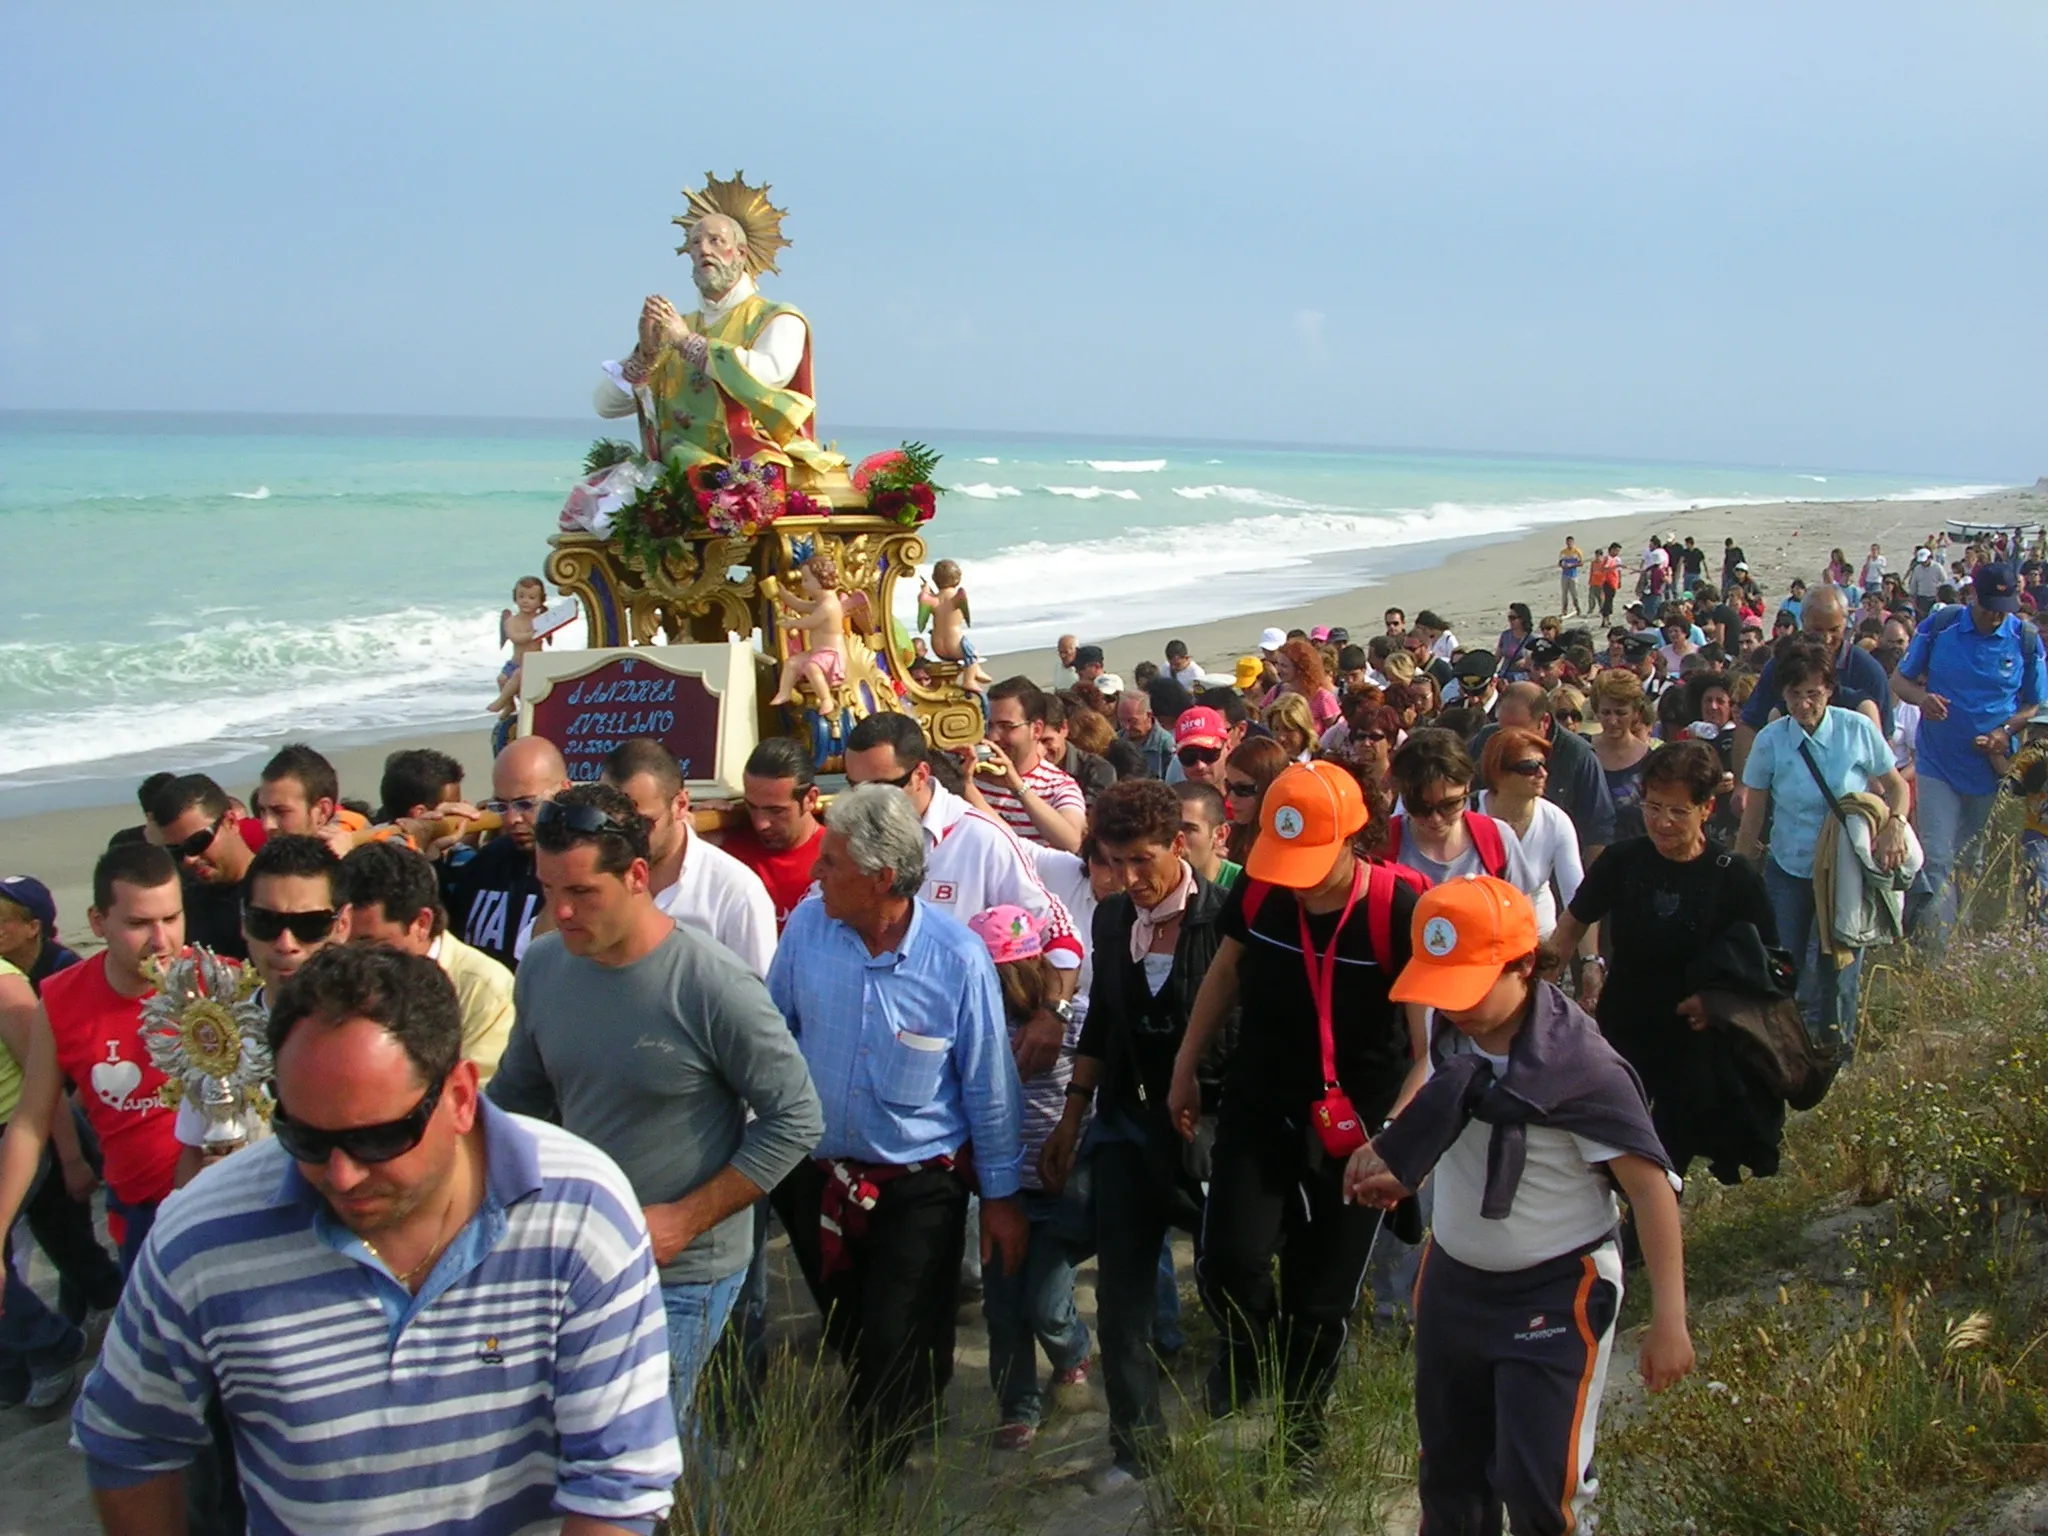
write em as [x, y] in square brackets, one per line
[732, 379]
[899, 1016]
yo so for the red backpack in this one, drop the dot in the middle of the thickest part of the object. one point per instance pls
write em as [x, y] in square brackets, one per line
[1379, 902]
[1493, 852]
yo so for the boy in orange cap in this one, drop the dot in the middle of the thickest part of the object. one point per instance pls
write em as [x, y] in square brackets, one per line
[1313, 936]
[1529, 1122]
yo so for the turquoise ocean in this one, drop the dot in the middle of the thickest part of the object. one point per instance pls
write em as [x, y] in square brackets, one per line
[185, 588]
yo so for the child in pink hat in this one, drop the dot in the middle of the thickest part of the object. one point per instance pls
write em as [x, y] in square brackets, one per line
[1034, 1306]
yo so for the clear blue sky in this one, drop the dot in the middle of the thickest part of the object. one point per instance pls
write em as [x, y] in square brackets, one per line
[1761, 232]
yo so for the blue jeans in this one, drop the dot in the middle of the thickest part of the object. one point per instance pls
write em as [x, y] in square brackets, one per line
[696, 1312]
[1827, 1001]
[1034, 1306]
[136, 1220]
[1948, 822]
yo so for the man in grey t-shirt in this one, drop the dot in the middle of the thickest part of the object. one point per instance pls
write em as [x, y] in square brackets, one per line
[652, 1042]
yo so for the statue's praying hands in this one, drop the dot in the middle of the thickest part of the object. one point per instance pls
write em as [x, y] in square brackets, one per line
[669, 329]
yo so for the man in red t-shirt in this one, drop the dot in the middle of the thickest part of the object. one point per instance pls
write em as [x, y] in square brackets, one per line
[783, 834]
[88, 1032]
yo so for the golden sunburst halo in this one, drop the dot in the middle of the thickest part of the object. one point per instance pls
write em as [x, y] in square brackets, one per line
[746, 206]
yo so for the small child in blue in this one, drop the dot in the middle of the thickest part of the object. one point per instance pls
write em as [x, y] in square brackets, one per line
[1527, 1125]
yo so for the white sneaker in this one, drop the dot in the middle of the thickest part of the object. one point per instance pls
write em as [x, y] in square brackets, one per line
[1112, 1479]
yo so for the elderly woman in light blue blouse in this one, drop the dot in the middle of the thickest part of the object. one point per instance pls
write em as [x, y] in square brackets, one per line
[1851, 755]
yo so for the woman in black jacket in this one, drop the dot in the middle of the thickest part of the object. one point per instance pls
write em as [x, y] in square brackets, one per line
[1152, 945]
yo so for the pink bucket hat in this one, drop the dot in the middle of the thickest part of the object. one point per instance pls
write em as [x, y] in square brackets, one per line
[1010, 933]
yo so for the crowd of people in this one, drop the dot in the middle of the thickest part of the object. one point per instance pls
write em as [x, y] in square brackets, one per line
[1291, 959]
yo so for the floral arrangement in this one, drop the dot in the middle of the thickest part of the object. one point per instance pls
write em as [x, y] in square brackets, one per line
[734, 500]
[898, 483]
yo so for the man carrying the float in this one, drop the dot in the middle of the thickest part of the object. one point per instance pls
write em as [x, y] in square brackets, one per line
[732, 379]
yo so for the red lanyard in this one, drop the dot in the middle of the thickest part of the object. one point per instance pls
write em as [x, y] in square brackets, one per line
[1322, 969]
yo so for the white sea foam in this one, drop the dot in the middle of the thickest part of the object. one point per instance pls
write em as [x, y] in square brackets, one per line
[242, 681]
[1251, 496]
[261, 493]
[1816, 479]
[1122, 466]
[1090, 492]
[986, 492]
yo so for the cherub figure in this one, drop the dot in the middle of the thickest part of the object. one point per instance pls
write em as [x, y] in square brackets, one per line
[821, 620]
[944, 601]
[515, 628]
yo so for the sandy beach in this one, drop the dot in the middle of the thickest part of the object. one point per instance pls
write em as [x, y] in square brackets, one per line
[1469, 583]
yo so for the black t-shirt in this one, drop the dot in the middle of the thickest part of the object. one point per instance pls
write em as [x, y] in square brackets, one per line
[1659, 916]
[1277, 1070]
[492, 899]
[1695, 562]
[213, 917]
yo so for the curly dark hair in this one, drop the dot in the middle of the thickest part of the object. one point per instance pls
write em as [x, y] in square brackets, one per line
[1136, 811]
[409, 995]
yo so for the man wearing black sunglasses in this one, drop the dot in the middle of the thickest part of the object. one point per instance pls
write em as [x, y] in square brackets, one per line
[513, 1253]
[213, 846]
[652, 1041]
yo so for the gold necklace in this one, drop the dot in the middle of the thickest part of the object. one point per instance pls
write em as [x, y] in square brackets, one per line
[432, 1253]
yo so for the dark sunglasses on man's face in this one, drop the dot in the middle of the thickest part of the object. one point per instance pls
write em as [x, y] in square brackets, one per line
[1370, 738]
[1191, 757]
[362, 1143]
[267, 926]
[197, 844]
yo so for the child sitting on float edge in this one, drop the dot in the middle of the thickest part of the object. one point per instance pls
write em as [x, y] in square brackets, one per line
[1528, 1121]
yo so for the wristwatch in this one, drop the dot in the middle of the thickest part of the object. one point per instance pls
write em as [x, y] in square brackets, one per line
[1063, 1011]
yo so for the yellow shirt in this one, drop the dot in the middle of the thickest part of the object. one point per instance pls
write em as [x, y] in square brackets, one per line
[10, 1069]
[483, 987]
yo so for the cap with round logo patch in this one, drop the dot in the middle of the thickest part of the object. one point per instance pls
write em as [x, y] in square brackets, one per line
[1308, 813]
[1466, 932]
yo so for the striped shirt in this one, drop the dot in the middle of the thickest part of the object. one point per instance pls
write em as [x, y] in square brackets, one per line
[527, 1381]
[1055, 786]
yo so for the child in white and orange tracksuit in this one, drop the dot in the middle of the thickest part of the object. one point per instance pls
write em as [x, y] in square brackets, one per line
[1528, 1124]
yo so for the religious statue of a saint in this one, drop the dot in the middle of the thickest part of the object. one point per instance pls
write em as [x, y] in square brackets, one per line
[731, 379]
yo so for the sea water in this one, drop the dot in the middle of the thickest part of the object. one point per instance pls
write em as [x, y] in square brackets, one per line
[186, 588]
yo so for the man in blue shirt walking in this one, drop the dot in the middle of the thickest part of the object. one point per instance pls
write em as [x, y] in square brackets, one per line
[1977, 676]
[899, 1015]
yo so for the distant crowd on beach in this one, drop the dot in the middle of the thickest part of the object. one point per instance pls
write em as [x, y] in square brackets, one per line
[1408, 975]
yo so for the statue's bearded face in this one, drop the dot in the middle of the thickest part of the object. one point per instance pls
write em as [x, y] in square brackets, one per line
[718, 255]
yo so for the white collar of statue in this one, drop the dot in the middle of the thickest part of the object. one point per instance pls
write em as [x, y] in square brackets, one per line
[715, 310]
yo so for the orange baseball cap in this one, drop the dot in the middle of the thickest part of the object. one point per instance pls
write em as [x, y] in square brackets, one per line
[1308, 813]
[1466, 932]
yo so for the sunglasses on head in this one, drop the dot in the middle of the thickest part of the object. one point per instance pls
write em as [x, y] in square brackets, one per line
[266, 926]
[362, 1143]
[584, 820]
[197, 844]
[1192, 756]
[1529, 767]
[1429, 810]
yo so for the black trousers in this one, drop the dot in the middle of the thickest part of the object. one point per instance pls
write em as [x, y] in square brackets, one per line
[88, 1279]
[1133, 1214]
[1509, 1370]
[1265, 1197]
[890, 1314]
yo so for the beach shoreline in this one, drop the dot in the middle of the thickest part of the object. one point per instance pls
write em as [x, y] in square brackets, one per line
[54, 830]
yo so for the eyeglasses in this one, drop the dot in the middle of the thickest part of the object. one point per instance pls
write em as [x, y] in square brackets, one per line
[585, 820]
[362, 1143]
[1191, 757]
[1430, 810]
[197, 844]
[1529, 767]
[1242, 789]
[525, 805]
[901, 781]
[267, 926]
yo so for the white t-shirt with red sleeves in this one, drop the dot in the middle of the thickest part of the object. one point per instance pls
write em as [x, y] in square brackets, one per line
[1055, 786]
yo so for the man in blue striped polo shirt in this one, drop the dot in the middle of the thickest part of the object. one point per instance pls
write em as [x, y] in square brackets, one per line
[415, 1311]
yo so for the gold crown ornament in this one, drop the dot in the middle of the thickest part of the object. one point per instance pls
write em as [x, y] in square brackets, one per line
[759, 220]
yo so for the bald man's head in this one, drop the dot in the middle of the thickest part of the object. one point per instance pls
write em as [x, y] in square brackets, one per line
[1522, 705]
[1824, 616]
[528, 772]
